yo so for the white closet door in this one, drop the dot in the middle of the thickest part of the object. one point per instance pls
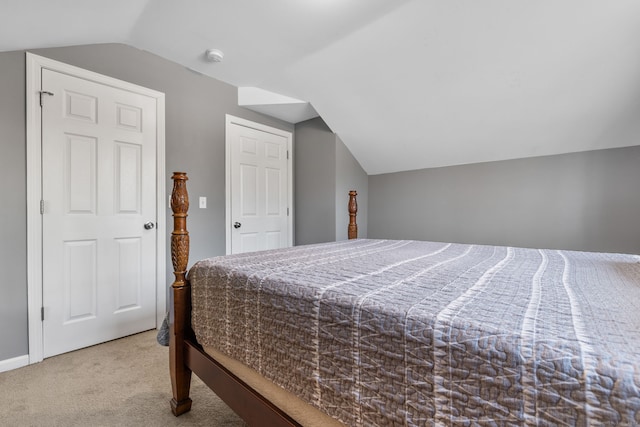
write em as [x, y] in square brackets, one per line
[99, 191]
[259, 176]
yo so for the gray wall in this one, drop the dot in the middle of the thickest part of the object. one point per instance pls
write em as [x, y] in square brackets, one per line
[315, 181]
[13, 207]
[583, 201]
[195, 127]
[325, 171]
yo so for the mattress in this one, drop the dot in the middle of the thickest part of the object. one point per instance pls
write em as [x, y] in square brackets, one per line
[379, 332]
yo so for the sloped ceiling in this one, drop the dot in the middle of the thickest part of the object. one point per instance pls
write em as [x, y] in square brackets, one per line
[406, 84]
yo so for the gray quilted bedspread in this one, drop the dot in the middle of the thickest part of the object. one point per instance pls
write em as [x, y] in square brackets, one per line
[378, 332]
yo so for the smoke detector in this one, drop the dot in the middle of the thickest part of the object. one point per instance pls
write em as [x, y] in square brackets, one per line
[214, 55]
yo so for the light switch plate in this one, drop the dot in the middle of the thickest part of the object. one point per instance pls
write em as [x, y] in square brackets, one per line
[203, 202]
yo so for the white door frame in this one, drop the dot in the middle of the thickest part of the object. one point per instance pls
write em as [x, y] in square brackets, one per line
[35, 64]
[264, 128]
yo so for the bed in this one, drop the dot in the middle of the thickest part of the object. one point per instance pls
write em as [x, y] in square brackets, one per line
[378, 332]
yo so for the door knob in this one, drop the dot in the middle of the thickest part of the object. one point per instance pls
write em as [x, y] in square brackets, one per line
[149, 225]
[237, 225]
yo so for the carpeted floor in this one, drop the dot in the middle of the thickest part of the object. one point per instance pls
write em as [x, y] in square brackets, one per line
[119, 383]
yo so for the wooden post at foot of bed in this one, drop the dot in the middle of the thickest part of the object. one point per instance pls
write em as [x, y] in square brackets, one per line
[181, 297]
[352, 232]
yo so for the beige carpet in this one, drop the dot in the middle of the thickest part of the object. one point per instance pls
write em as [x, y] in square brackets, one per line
[119, 383]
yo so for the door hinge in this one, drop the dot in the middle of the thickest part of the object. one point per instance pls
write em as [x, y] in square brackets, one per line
[42, 313]
[41, 207]
[287, 211]
[287, 154]
[44, 92]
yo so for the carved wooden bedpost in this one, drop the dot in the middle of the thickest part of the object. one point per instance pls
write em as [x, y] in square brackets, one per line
[181, 292]
[353, 211]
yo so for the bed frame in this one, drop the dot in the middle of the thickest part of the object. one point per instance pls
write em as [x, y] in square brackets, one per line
[186, 356]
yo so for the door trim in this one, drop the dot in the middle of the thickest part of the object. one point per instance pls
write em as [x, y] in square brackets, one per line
[232, 120]
[34, 66]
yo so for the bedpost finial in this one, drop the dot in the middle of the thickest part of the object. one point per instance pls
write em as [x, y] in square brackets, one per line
[179, 195]
[179, 235]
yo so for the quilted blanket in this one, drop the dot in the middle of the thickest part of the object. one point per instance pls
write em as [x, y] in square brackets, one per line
[378, 332]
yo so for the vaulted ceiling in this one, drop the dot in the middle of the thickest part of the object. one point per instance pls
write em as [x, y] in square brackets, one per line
[406, 84]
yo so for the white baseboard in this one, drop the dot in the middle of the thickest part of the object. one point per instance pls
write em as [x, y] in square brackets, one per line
[14, 363]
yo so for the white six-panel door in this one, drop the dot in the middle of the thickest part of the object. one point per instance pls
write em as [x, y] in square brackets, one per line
[260, 187]
[98, 190]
